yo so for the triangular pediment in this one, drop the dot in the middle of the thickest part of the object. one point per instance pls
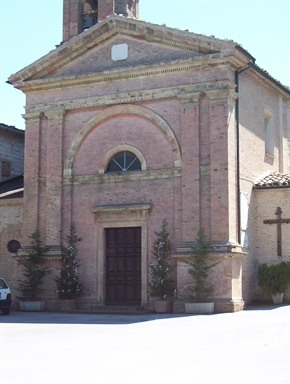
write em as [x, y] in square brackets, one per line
[133, 53]
[147, 43]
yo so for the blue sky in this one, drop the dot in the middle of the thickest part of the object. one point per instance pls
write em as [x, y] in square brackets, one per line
[30, 29]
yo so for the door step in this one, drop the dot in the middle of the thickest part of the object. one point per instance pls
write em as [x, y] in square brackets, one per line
[114, 310]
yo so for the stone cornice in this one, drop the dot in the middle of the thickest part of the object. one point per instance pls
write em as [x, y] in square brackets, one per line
[123, 176]
[54, 253]
[11, 202]
[194, 63]
[186, 93]
[152, 174]
[225, 247]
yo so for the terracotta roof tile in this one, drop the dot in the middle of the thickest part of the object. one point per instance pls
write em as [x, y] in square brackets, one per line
[273, 180]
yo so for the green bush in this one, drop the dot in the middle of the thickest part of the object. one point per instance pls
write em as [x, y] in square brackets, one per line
[161, 284]
[274, 278]
[199, 269]
[33, 272]
[67, 283]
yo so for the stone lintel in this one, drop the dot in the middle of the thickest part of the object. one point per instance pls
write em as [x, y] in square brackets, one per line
[115, 208]
[54, 253]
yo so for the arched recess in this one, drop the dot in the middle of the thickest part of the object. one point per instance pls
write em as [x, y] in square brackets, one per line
[119, 110]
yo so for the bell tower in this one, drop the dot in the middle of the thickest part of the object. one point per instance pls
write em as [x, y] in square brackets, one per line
[79, 15]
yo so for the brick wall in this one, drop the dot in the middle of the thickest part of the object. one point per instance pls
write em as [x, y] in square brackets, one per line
[265, 203]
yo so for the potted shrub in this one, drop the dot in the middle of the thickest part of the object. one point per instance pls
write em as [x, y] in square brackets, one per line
[162, 285]
[67, 283]
[199, 270]
[33, 275]
[274, 279]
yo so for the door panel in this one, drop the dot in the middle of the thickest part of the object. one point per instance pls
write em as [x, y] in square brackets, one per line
[123, 266]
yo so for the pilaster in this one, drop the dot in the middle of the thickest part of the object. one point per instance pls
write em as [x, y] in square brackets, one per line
[31, 175]
[223, 186]
[190, 208]
[54, 176]
[209, 187]
[204, 164]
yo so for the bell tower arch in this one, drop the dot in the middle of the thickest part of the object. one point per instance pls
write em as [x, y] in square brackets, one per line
[79, 15]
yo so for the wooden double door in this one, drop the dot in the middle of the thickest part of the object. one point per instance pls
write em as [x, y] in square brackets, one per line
[123, 266]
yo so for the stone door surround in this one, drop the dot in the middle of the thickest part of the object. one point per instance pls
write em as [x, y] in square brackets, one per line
[117, 216]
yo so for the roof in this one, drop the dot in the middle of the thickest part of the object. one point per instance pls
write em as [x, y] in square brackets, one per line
[273, 180]
[11, 128]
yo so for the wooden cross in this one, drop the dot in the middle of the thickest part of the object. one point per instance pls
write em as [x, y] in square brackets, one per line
[278, 221]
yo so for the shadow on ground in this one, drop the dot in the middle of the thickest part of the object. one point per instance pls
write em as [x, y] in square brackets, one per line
[18, 317]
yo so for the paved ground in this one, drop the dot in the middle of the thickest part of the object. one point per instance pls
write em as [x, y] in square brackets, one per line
[249, 347]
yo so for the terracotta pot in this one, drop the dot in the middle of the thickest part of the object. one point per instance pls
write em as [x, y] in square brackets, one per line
[278, 298]
[163, 306]
[201, 308]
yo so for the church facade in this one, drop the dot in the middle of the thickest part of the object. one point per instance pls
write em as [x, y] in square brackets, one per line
[129, 123]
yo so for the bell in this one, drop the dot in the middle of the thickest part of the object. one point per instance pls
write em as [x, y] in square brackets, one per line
[88, 21]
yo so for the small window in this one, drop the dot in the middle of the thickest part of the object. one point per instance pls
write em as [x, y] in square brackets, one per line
[124, 162]
[6, 169]
[269, 133]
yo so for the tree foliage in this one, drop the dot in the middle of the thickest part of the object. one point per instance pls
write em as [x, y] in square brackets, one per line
[33, 272]
[199, 269]
[68, 285]
[161, 284]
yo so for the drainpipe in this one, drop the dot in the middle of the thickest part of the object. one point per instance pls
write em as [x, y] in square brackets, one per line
[237, 73]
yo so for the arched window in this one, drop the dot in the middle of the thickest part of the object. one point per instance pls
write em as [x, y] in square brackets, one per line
[124, 162]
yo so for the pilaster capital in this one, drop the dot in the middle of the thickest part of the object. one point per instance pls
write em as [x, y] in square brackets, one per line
[186, 98]
[222, 94]
[55, 114]
[33, 117]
